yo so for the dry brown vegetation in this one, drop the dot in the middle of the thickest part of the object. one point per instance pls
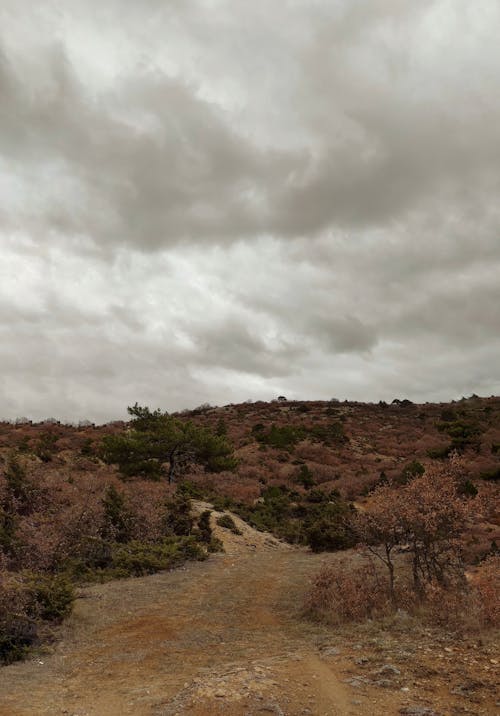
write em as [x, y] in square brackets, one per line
[66, 515]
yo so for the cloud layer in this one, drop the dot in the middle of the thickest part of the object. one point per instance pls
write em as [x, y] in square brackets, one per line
[217, 201]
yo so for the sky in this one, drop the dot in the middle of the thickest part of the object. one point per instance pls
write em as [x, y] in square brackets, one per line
[221, 200]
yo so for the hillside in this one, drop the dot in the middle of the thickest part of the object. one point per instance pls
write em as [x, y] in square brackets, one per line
[251, 620]
[347, 447]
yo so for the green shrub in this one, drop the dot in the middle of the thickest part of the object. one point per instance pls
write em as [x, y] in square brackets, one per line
[18, 631]
[220, 502]
[215, 545]
[317, 496]
[328, 526]
[46, 446]
[118, 518]
[189, 489]
[331, 434]
[413, 469]
[20, 493]
[106, 560]
[282, 437]
[327, 534]
[136, 559]
[26, 602]
[448, 415]
[87, 449]
[468, 489]
[8, 530]
[305, 477]
[178, 519]
[319, 519]
[492, 475]
[463, 434]
[204, 527]
[440, 453]
[24, 445]
[228, 523]
[52, 595]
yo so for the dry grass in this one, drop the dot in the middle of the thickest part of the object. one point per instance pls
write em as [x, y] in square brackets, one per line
[345, 592]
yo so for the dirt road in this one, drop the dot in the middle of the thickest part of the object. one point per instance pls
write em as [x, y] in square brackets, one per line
[218, 637]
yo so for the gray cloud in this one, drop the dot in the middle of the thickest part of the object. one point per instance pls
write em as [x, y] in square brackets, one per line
[217, 201]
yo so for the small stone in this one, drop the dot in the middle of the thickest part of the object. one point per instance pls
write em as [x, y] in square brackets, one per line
[389, 670]
[357, 681]
[384, 683]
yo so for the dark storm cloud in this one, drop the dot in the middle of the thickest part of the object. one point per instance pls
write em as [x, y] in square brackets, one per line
[150, 162]
[149, 165]
[211, 200]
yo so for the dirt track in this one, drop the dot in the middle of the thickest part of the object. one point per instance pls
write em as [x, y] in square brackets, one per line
[219, 637]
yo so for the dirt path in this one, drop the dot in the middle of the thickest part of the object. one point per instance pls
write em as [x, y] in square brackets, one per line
[219, 637]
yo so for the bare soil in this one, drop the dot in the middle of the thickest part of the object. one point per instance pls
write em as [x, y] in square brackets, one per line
[225, 636]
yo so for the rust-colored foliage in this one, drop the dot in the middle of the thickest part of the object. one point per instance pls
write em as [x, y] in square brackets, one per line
[344, 592]
[52, 511]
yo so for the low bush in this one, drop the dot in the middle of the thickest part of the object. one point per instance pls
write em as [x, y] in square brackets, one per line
[18, 630]
[88, 448]
[178, 519]
[305, 477]
[330, 434]
[45, 447]
[426, 517]
[282, 437]
[468, 489]
[464, 434]
[134, 558]
[440, 453]
[228, 523]
[486, 584]
[413, 469]
[52, 594]
[492, 475]
[329, 532]
[321, 520]
[27, 602]
[343, 593]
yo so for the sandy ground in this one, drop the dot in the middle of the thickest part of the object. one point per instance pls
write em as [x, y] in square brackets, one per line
[225, 637]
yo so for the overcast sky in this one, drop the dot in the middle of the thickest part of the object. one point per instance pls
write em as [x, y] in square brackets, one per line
[222, 200]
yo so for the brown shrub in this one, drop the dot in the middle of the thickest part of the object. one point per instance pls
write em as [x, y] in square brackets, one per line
[342, 593]
[454, 607]
[485, 584]
[17, 627]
